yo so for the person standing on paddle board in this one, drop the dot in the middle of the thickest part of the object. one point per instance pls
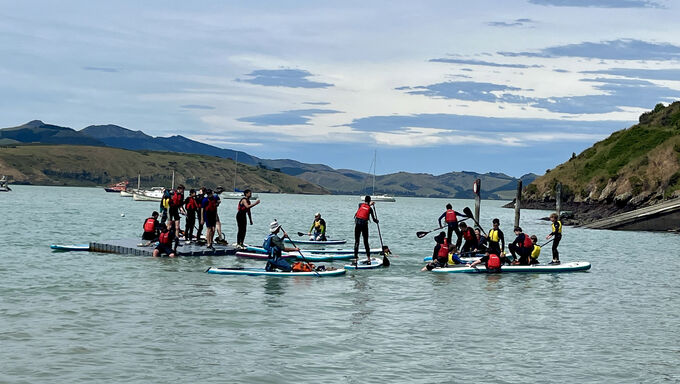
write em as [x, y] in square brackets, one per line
[209, 206]
[451, 219]
[201, 214]
[220, 239]
[176, 206]
[496, 239]
[317, 232]
[243, 209]
[191, 207]
[557, 235]
[521, 246]
[274, 245]
[361, 227]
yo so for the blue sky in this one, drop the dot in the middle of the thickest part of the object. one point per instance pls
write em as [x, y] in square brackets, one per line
[435, 86]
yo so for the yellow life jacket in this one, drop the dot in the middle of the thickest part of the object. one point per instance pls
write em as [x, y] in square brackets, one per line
[559, 227]
[166, 203]
[536, 252]
[451, 261]
[493, 236]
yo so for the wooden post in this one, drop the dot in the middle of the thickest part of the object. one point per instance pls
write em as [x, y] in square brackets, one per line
[476, 188]
[518, 199]
[558, 199]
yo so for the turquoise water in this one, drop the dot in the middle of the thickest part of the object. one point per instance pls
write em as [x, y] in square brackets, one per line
[86, 317]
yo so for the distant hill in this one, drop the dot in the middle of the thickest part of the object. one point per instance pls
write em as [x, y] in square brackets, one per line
[632, 167]
[38, 132]
[90, 166]
[119, 137]
[338, 181]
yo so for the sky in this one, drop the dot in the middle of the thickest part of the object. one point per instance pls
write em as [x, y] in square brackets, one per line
[512, 86]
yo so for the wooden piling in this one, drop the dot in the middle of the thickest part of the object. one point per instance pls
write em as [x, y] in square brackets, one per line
[518, 199]
[476, 188]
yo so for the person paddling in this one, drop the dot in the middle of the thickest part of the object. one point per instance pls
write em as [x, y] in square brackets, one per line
[451, 219]
[361, 227]
[557, 234]
[317, 232]
[274, 246]
[521, 246]
[243, 209]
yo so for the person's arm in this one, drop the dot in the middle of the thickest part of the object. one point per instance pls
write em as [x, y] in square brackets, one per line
[460, 214]
[311, 228]
[435, 252]
[375, 220]
[501, 240]
[323, 227]
[439, 220]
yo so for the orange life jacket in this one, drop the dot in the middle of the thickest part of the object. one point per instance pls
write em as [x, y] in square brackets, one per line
[177, 199]
[527, 242]
[469, 234]
[302, 267]
[192, 205]
[164, 238]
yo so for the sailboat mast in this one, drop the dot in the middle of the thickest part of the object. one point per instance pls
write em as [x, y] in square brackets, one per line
[139, 180]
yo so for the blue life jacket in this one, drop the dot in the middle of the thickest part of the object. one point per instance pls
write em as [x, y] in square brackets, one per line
[267, 244]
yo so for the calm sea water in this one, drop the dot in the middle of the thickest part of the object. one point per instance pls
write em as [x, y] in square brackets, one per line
[88, 317]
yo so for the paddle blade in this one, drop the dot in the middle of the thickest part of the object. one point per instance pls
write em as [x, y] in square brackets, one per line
[422, 234]
[468, 212]
[301, 234]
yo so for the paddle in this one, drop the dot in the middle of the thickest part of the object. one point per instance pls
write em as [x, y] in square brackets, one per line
[300, 252]
[542, 245]
[422, 234]
[469, 214]
[385, 250]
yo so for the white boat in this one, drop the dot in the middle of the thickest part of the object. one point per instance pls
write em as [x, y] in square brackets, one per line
[129, 192]
[3, 185]
[153, 194]
[236, 195]
[374, 197]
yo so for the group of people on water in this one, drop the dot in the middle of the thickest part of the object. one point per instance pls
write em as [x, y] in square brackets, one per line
[200, 209]
[524, 250]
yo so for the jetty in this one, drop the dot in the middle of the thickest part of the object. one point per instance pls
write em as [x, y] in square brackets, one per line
[659, 217]
[129, 247]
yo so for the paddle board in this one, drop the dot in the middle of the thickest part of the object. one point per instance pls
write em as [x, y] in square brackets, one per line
[536, 268]
[316, 242]
[262, 272]
[375, 263]
[67, 248]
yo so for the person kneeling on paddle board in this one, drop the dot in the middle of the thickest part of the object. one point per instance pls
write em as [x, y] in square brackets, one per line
[317, 232]
[492, 262]
[151, 226]
[470, 238]
[361, 227]
[536, 251]
[440, 254]
[274, 245]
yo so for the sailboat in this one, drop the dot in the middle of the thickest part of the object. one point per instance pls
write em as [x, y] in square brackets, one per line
[3, 185]
[374, 197]
[236, 194]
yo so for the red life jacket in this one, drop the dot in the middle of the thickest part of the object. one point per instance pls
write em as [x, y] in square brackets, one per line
[164, 238]
[443, 249]
[363, 212]
[212, 204]
[150, 224]
[177, 199]
[242, 207]
[450, 216]
[192, 205]
[494, 262]
[527, 242]
[469, 234]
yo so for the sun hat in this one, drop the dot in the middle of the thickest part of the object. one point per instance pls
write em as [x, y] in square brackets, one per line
[274, 226]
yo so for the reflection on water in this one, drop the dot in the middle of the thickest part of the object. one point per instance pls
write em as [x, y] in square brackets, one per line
[361, 300]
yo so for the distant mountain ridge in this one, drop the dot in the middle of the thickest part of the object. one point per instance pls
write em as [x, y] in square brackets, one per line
[338, 181]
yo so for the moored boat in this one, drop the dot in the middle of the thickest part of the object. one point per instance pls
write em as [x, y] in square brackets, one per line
[3, 185]
[117, 187]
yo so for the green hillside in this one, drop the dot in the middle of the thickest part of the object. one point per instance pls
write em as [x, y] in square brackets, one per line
[634, 166]
[89, 166]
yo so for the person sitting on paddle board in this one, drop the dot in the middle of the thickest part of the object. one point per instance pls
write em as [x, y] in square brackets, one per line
[361, 227]
[496, 239]
[150, 226]
[481, 241]
[491, 261]
[521, 246]
[274, 246]
[557, 235]
[317, 232]
[470, 238]
[165, 240]
[451, 219]
[535, 251]
[440, 253]
[243, 209]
